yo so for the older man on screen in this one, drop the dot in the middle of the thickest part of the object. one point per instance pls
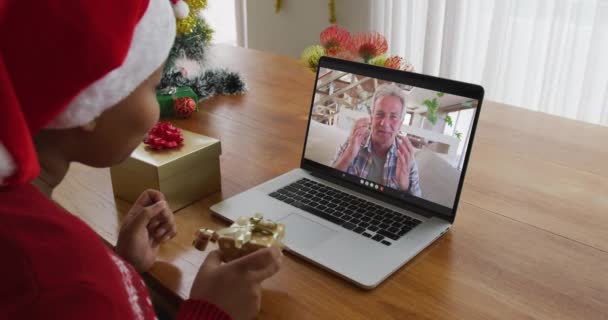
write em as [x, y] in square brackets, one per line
[384, 156]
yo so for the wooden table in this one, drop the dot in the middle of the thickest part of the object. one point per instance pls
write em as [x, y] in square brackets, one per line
[530, 239]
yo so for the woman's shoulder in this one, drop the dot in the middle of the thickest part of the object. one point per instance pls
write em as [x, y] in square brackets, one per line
[50, 254]
[46, 244]
[30, 216]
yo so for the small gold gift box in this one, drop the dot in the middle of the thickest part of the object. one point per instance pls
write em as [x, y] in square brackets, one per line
[244, 236]
[184, 174]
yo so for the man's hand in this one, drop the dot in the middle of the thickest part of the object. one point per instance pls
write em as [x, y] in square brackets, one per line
[405, 153]
[236, 286]
[358, 133]
[148, 223]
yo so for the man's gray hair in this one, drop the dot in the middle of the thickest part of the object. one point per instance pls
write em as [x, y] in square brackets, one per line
[387, 90]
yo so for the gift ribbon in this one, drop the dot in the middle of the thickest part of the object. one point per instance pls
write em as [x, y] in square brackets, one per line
[245, 228]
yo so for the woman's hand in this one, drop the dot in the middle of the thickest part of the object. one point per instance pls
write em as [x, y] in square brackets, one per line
[149, 223]
[236, 286]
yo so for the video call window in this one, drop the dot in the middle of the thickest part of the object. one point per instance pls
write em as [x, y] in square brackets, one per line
[403, 138]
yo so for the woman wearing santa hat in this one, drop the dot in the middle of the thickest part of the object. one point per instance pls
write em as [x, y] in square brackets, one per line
[77, 81]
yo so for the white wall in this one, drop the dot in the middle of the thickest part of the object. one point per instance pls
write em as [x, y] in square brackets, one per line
[299, 23]
[220, 14]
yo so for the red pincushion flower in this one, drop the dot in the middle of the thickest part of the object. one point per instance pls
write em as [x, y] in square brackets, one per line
[164, 136]
[334, 39]
[368, 45]
[184, 107]
[394, 62]
[346, 55]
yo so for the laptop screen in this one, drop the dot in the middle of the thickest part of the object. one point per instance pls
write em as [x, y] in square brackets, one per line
[391, 137]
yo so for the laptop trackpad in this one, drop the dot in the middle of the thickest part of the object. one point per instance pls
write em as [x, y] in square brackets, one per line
[301, 233]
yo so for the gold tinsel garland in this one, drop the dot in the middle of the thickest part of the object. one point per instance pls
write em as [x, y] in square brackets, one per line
[277, 6]
[196, 5]
[332, 11]
[187, 24]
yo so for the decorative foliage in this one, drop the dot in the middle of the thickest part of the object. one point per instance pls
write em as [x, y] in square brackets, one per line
[432, 106]
[209, 84]
[379, 61]
[192, 45]
[332, 11]
[368, 47]
[431, 110]
[311, 56]
[394, 62]
[188, 23]
[185, 63]
[448, 120]
[277, 6]
[196, 5]
[335, 40]
[231, 82]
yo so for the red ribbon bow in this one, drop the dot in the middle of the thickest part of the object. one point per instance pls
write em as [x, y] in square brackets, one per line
[164, 136]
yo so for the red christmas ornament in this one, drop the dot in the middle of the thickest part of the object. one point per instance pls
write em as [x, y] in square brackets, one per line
[184, 107]
[164, 136]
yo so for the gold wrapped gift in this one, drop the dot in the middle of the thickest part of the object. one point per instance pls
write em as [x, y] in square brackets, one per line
[244, 236]
[184, 174]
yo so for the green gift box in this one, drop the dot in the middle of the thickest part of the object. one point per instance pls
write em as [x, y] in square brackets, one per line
[167, 96]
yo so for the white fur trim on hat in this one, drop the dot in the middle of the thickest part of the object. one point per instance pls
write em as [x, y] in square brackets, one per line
[152, 40]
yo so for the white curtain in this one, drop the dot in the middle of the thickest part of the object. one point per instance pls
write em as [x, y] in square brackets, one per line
[545, 55]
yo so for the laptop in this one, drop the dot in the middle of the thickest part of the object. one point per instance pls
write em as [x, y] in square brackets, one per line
[365, 201]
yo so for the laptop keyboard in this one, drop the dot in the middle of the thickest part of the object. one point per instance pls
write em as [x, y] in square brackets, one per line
[358, 215]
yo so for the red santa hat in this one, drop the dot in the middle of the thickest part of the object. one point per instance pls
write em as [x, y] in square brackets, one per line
[63, 63]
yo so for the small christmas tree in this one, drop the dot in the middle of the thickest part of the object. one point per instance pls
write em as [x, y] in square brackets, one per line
[185, 64]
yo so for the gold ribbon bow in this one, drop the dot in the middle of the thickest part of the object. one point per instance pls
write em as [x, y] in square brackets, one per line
[245, 228]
